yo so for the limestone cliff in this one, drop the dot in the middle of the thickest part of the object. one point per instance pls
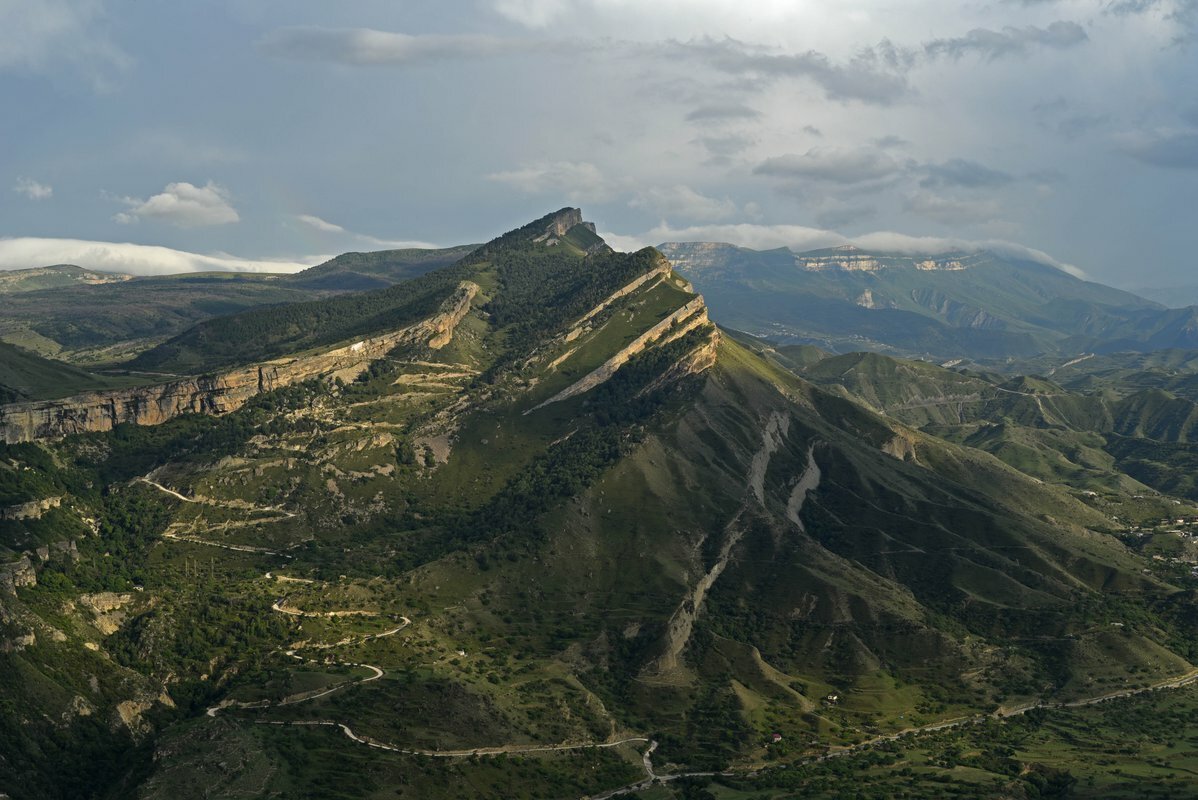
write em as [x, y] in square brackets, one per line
[224, 391]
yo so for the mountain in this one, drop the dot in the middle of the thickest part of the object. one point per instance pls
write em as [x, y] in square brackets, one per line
[1172, 297]
[531, 525]
[107, 319]
[374, 270]
[1098, 439]
[982, 305]
[54, 277]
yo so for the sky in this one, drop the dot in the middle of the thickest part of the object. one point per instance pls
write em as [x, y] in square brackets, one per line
[271, 134]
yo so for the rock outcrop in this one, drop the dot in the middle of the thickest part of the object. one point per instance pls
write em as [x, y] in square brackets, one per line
[15, 574]
[221, 392]
[34, 509]
[685, 319]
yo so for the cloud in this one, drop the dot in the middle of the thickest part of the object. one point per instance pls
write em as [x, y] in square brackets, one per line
[800, 238]
[1167, 149]
[38, 36]
[1182, 13]
[578, 181]
[890, 140]
[184, 205]
[727, 112]
[531, 13]
[832, 164]
[876, 75]
[951, 211]
[964, 173]
[990, 44]
[833, 213]
[32, 189]
[758, 237]
[134, 259]
[369, 47]
[724, 147]
[685, 202]
[324, 226]
[316, 223]
[1057, 115]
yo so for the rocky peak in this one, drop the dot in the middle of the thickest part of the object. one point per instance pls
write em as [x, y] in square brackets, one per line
[564, 220]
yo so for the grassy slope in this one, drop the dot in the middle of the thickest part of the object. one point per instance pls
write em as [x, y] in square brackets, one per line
[27, 376]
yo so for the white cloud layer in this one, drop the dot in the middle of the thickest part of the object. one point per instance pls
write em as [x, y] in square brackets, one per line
[33, 189]
[184, 205]
[800, 238]
[324, 226]
[134, 259]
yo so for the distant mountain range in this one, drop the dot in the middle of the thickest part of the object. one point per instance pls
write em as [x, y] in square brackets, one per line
[981, 305]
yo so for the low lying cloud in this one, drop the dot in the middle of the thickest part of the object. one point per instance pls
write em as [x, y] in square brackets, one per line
[134, 259]
[184, 205]
[990, 44]
[799, 239]
[32, 189]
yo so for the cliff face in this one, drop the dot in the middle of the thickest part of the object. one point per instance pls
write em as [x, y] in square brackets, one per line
[222, 392]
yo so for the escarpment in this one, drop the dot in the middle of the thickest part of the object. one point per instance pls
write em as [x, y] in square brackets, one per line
[221, 392]
[681, 322]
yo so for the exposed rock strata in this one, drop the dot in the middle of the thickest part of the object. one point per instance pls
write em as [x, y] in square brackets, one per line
[685, 319]
[221, 392]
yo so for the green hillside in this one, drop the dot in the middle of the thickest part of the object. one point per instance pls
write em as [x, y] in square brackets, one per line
[53, 277]
[60, 314]
[28, 376]
[957, 305]
[374, 270]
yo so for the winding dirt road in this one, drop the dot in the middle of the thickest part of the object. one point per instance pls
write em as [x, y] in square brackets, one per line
[303, 697]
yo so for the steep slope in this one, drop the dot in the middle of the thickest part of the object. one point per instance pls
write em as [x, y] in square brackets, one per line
[582, 520]
[976, 305]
